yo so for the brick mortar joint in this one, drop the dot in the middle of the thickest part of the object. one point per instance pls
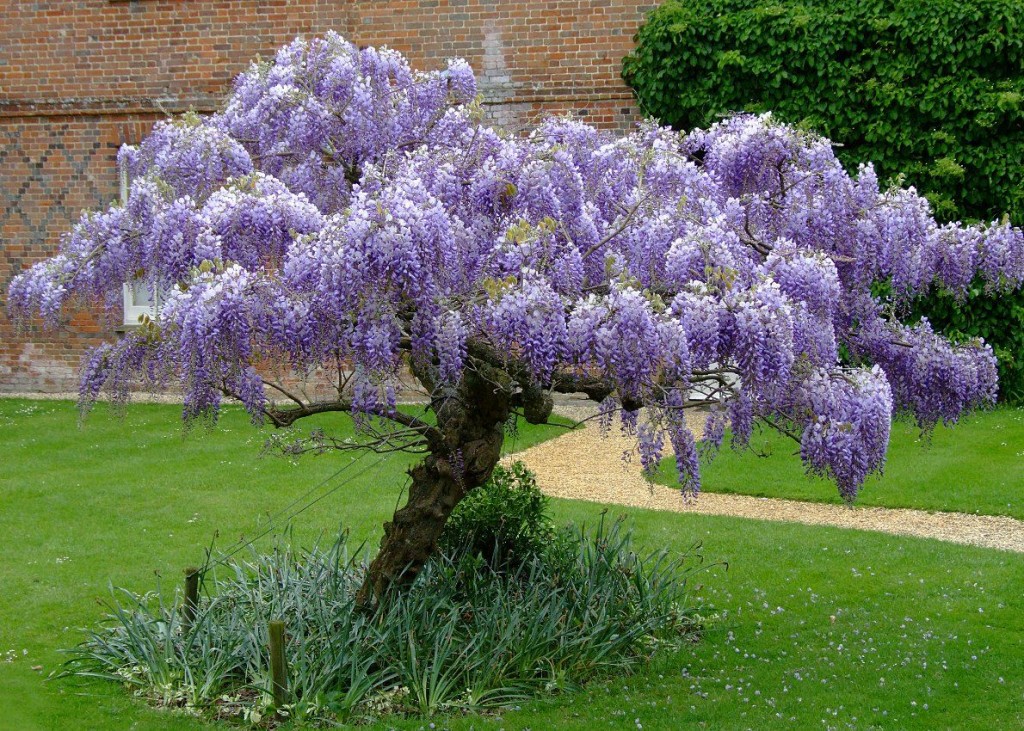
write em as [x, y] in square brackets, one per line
[98, 106]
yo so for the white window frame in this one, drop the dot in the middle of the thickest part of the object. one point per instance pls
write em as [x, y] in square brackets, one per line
[135, 307]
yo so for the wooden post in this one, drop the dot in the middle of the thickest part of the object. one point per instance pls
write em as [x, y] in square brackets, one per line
[191, 605]
[278, 668]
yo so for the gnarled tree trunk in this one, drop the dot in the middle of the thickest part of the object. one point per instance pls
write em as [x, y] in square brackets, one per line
[472, 421]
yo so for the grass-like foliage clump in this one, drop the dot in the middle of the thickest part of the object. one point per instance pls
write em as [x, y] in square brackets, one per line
[467, 636]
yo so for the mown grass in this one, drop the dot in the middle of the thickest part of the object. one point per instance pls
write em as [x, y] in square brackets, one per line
[916, 622]
[976, 466]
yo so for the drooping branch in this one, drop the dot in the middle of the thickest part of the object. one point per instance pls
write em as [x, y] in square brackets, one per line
[390, 442]
[617, 230]
[751, 240]
[283, 391]
[283, 417]
[781, 428]
[595, 387]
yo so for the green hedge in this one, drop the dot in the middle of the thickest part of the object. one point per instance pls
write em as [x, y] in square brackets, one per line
[932, 90]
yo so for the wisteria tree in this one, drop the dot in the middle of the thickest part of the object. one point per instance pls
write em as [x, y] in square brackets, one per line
[348, 217]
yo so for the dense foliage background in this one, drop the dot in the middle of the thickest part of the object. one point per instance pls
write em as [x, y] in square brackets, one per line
[931, 90]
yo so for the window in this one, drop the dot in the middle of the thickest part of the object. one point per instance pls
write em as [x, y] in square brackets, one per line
[138, 299]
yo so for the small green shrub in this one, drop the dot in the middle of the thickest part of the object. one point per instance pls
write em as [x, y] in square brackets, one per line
[503, 521]
[461, 638]
[928, 89]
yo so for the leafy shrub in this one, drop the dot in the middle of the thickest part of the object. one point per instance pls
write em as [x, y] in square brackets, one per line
[459, 639]
[932, 90]
[504, 521]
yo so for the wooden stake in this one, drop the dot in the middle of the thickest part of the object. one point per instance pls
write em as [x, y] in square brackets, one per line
[191, 606]
[278, 668]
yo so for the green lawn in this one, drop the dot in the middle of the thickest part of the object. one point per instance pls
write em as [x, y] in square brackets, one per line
[925, 634]
[976, 466]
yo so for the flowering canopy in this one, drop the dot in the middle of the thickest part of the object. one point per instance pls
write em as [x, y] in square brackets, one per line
[345, 212]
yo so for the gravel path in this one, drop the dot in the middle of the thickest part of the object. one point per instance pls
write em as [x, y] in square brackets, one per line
[583, 465]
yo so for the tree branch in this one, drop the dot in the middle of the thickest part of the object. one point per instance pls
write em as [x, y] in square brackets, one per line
[622, 227]
[752, 241]
[279, 388]
[284, 417]
[780, 428]
[597, 389]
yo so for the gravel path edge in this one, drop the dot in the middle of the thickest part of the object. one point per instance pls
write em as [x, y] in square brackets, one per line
[585, 465]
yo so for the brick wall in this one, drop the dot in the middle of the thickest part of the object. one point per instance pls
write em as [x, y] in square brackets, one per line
[80, 77]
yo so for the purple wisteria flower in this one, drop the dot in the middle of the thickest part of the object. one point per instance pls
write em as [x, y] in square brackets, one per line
[346, 212]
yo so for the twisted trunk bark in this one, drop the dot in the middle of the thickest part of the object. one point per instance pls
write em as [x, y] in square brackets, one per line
[472, 421]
